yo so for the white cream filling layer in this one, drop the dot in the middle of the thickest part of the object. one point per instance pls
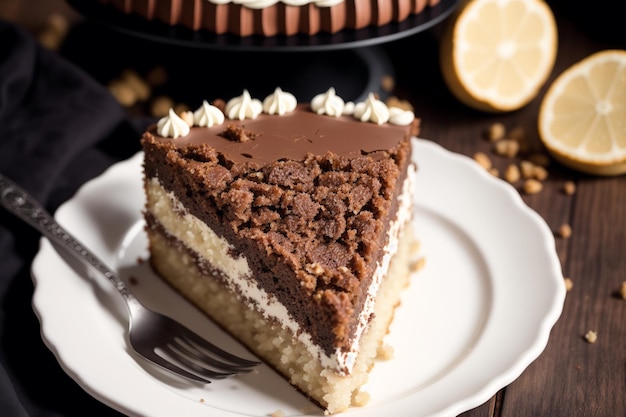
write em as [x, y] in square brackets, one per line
[403, 216]
[197, 236]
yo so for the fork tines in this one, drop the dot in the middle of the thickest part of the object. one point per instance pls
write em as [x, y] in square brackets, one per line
[198, 360]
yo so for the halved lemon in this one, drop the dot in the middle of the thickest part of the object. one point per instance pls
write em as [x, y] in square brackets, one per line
[495, 55]
[582, 117]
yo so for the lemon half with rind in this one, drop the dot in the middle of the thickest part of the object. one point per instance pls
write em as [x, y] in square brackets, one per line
[495, 55]
[582, 117]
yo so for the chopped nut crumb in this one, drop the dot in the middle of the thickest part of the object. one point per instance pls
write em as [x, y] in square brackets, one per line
[483, 160]
[54, 32]
[418, 264]
[540, 173]
[512, 174]
[530, 170]
[494, 171]
[187, 117]
[278, 413]
[527, 169]
[569, 284]
[180, 108]
[160, 106]
[507, 148]
[565, 231]
[361, 398]
[123, 93]
[622, 290]
[532, 186]
[591, 336]
[385, 352]
[569, 187]
[138, 85]
[401, 104]
[314, 268]
[387, 83]
[220, 104]
[496, 132]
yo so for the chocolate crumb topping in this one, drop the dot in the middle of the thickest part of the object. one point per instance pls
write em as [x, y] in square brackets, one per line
[237, 133]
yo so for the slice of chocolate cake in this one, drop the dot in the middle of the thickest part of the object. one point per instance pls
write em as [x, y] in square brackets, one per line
[289, 225]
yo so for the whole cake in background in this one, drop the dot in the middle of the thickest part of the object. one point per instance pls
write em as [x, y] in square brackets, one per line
[273, 17]
[290, 226]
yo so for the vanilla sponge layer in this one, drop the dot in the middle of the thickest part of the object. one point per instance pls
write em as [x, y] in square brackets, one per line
[277, 345]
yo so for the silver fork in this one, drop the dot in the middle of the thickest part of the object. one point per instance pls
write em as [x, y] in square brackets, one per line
[158, 338]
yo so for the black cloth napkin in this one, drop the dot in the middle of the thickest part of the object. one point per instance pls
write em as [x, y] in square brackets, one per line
[59, 127]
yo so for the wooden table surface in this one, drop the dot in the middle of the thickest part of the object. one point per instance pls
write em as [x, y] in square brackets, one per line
[571, 377]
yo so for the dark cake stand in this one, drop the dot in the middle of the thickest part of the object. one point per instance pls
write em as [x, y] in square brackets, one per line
[352, 61]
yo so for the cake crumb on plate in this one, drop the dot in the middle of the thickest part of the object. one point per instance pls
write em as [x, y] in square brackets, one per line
[591, 336]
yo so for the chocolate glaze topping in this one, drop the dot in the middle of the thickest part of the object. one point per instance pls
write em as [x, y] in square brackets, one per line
[301, 132]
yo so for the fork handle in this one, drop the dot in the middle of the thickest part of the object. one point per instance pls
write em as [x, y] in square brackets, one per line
[25, 206]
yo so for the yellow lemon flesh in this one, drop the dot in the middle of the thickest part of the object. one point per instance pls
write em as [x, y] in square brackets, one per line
[495, 55]
[582, 118]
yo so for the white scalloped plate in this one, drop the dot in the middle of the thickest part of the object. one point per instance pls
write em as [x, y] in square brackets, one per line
[491, 266]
